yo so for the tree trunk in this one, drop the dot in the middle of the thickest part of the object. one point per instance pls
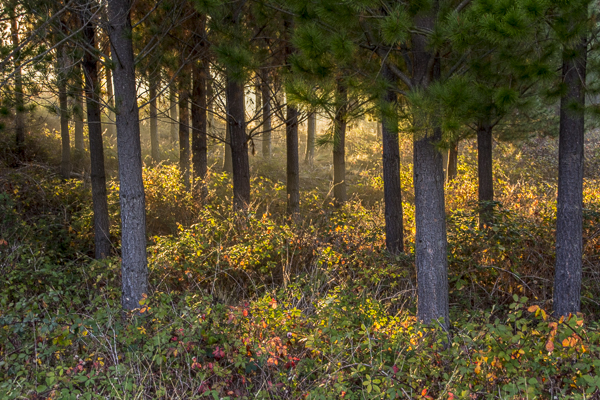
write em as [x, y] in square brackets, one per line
[154, 146]
[19, 97]
[184, 133]
[311, 131]
[134, 265]
[567, 278]
[98, 178]
[111, 127]
[173, 113]
[452, 169]
[65, 165]
[293, 168]
[227, 162]
[430, 217]
[78, 110]
[239, 145]
[394, 229]
[266, 113]
[430, 240]
[210, 101]
[485, 173]
[199, 122]
[339, 146]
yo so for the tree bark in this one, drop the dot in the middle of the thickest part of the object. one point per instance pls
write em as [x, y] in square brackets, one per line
[394, 229]
[430, 218]
[78, 110]
[239, 145]
[173, 115]
[154, 146]
[485, 173]
[227, 162]
[310, 138]
[452, 169]
[569, 245]
[339, 145]
[199, 124]
[111, 127]
[98, 178]
[266, 113]
[65, 165]
[134, 265]
[19, 96]
[184, 132]
[293, 168]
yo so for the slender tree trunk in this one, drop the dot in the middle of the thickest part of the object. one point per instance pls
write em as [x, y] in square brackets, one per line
[430, 216]
[154, 146]
[239, 145]
[111, 127]
[266, 117]
[173, 115]
[567, 278]
[485, 173]
[394, 229]
[291, 139]
[293, 168]
[65, 165]
[184, 133]
[452, 169]
[311, 131]
[78, 110]
[134, 265]
[92, 92]
[199, 124]
[227, 161]
[339, 146]
[210, 101]
[19, 97]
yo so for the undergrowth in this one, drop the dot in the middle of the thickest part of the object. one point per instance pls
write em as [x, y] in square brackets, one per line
[256, 305]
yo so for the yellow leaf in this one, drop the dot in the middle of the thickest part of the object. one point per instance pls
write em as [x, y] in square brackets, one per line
[478, 369]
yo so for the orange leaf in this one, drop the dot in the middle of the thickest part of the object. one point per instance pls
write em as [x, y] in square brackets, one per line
[533, 308]
[550, 345]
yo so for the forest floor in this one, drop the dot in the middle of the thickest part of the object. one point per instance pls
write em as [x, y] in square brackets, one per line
[260, 306]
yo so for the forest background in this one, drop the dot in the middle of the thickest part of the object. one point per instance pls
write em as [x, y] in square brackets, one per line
[300, 199]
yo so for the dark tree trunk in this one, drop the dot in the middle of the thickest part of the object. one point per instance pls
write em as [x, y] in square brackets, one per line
[199, 123]
[452, 169]
[394, 229]
[19, 97]
[293, 168]
[173, 113]
[92, 92]
[266, 113]
[339, 146]
[291, 139]
[154, 147]
[430, 217]
[184, 133]
[430, 240]
[78, 110]
[134, 265]
[65, 165]
[311, 131]
[486, 175]
[239, 145]
[567, 278]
